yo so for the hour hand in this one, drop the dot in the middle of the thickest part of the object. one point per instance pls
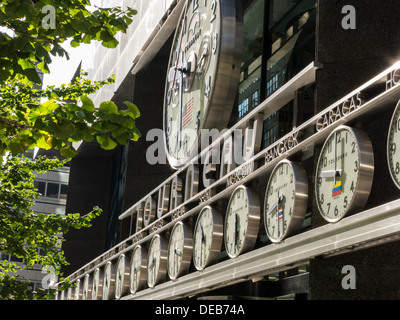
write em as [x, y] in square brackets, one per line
[331, 173]
[276, 204]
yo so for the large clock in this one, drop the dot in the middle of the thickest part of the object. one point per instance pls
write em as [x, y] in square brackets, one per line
[242, 221]
[393, 146]
[344, 173]
[285, 200]
[202, 75]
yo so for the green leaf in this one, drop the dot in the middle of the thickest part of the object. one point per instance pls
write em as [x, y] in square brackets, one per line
[32, 75]
[68, 152]
[87, 104]
[108, 107]
[133, 108]
[113, 43]
[106, 143]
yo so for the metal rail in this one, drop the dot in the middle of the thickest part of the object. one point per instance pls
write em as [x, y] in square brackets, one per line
[365, 229]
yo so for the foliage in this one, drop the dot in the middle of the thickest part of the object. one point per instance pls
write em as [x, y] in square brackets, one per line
[68, 115]
[56, 123]
[23, 232]
[31, 45]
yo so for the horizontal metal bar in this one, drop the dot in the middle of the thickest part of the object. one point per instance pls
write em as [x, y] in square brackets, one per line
[371, 227]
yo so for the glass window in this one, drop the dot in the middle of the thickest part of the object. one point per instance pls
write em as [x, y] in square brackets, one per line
[63, 191]
[41, 187]
[292, 34]
[52, 190]
[250, 76]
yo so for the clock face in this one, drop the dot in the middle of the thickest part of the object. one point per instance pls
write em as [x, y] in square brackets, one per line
[97, 284]
[86, 287]
[157, 261]
[393, 146]
[122, 277]
[179, 250]
[241, 221]
[207, 238]
[138, 273]
[108, 281]
[344, 173]
[202, 74]
[285, 200]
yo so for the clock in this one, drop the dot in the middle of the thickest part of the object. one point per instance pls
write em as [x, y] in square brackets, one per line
[344, 173]
[286, 199]
[180, 249]
[138, 273]
[122, 277]
[393, 143]
[207, 238]
[97, 284]
[202, 75]
[157, 261]
[242, 221]
[108, 281]
[86, 290]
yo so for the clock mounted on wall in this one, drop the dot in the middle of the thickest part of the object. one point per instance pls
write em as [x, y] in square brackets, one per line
[202, 75]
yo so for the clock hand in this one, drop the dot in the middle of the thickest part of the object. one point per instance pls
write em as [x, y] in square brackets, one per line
[335, 167]
[331, 173]
[236, 233]
[180, 43]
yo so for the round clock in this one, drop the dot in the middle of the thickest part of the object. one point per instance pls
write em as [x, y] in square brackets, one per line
[180, 249]
[242, 221]
[138, 273]
[207, 237]
[108, 281]
[97, 284]
[202, 75]
[286, 199]
[392, 144]
[344, 173]
[86, 290]
[157, 261]
[122, 277]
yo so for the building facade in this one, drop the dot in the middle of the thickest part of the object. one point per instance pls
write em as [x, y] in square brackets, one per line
[294, 194]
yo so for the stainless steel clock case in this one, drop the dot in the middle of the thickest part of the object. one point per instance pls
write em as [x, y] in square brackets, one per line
[356, 158]
[291, 198]
[216, 237]
[122, 277]
[138, 272]
[221, 40]
[182, 258]
[249, 207]
[157, 261]
[393, 146]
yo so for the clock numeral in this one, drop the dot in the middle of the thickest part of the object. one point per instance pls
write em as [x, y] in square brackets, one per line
[393, 148]
[213, 10]
[195, 5]
[321, 199]
[356, 166]
[215, 43]
[352, 186]
[397, 168]
[208, 87]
